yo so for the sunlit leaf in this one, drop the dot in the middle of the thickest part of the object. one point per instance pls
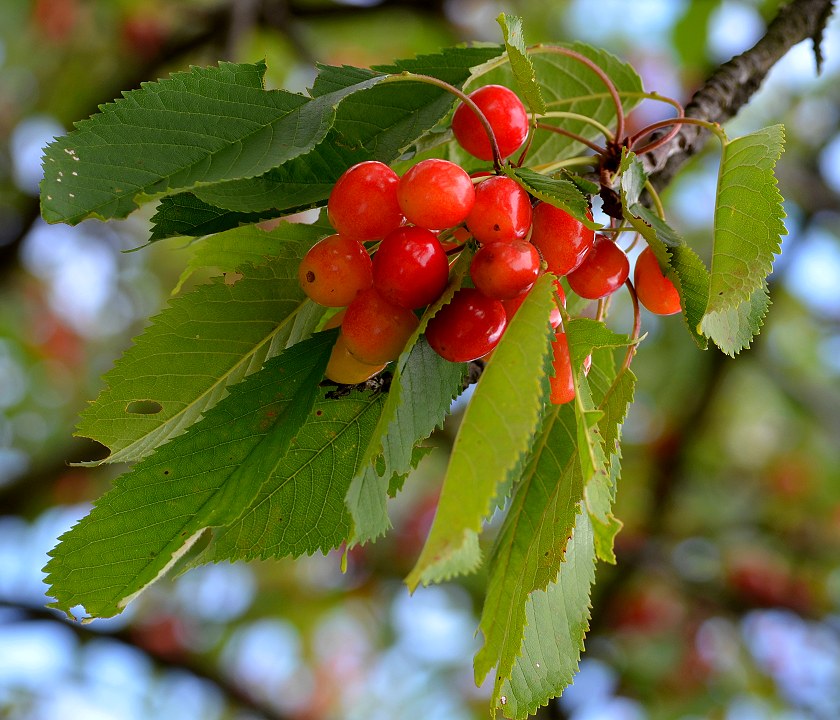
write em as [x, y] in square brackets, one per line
[520, 62]
[748, 218]
[557, 620]
[568, 86]
[531, 544]
[194, 350]
[495, 435]
[732, 330]
[682, 265]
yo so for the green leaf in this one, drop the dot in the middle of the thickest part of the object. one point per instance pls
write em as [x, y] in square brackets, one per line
[201, 479]
[568, 86]
[183, 214]
[732, 330]
[194, 350]
[301, 183]
[249, 245]
[421, 393]
[601, 489]
[557, 620]
[495, 435]
[300, 506]
[531, 544]
[419, 399]
[193, 128]
[584, 336]
[373, 123]
[682, 265]
[748, 218]
[563, 194]
[520, 62]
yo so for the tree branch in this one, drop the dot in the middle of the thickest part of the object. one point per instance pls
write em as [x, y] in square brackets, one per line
[129, 636]
[734, 83]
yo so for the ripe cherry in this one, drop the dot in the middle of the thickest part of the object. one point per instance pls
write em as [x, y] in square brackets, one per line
[334, 270]
[562, 239]
[506, 115]
[468, 327]
[363, 203]
[603, 270]
[436, 194]
[562, 382]
[410, 268]
[375, 330]
[654, 290]
[502, 211]
[344, 368]
[504, 270]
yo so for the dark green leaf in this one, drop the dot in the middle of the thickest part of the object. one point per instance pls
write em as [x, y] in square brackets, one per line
[184, 214]
[561, 193]
[202, 479]
[195, 128]
[300, 506]
[377, 123]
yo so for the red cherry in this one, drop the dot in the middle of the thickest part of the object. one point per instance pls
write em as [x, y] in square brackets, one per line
[654, 290]
[468, 327]
[562, 382]
[436, 194]
[504, 270]
[363, 203]
[562, 239]
[376, 331]
[603, 270]
[502, 211]
[410, 268]
[334, 270]
[506, 115]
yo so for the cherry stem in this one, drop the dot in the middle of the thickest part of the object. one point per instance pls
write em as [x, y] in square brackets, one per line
[527, 147]
[570, 162]
[582, 118]
[637, 326]
[676, 122]
[464, 98]
[622, 93]
[562, 131]
[611, 88]
[657, 201]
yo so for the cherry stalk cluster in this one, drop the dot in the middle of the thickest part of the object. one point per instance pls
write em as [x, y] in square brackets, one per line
[397, 236]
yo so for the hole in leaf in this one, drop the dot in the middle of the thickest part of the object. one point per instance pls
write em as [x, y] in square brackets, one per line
[143, 407]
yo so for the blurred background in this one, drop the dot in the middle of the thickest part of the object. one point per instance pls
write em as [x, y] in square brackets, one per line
[725, 602]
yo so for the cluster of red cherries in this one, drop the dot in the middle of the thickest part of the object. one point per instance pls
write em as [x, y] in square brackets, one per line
[414, 223]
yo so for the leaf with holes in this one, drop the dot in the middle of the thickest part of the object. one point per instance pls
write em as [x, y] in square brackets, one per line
[202, 479]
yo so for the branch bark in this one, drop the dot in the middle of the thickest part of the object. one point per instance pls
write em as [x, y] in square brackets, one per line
[237, 695]
[734, 83]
